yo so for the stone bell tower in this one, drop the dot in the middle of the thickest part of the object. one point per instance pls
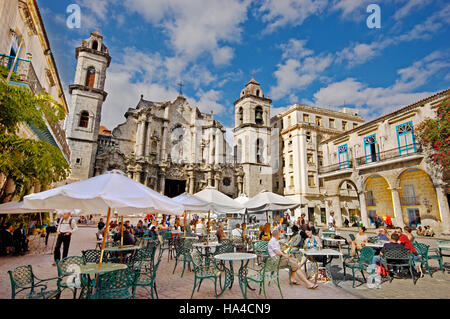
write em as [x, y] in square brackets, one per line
[87, 97]
[252, 138]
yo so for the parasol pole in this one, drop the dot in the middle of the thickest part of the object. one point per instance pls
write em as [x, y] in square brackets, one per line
[185, 223]
[121, 232]
[207, 228]
[104, 237]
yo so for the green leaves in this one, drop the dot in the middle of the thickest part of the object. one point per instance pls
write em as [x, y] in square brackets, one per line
[27, 161]
[435, 133]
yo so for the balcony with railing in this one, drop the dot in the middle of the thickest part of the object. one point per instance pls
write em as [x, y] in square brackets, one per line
[335, 167]
[390, 155]
[25, 74]
[409, 200]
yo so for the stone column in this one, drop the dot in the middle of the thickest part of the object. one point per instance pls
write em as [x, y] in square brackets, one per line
[336, 208]
[137, 176]
[143, 133]
[398, 214]
[163, 155]
[219, 151]
[443, 208]
[148, 140]
[211, 147]
[362, 203]
[192, 184]
[162, 184]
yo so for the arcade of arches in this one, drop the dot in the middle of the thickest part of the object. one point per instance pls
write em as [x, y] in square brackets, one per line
[408, 197]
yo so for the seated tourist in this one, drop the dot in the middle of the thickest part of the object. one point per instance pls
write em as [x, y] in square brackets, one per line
[383, 234]
[404, 239]
[274, 249]
[199, 227]
[296, 239]
[139, 229]
[420, 231]
[360, 240]
[220, 233]
[128, 238]
[265, 234]
[428, 231]
[392, 244]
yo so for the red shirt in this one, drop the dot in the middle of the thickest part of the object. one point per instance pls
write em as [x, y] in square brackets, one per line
[404, 240]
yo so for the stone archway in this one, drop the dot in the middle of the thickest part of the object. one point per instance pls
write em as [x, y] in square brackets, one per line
[378, 197]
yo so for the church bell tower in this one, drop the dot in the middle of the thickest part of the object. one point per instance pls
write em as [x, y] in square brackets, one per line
[252, 138]
[87, 97]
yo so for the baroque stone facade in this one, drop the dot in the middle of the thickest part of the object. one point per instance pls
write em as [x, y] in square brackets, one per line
[172, 148]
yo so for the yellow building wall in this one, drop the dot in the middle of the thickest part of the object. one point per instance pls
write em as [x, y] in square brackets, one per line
[423, 188]
[382, 195]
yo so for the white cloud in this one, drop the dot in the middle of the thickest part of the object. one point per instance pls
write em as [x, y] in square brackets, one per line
[375, 101]
[297, 73]
[280, 13]
[195, 27]
[409, 6]
[208, 101]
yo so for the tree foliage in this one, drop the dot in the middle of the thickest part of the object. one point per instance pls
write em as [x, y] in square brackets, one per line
[434, 134]
[26, 161]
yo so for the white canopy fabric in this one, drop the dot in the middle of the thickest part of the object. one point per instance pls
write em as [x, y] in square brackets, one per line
[242, 199]
[268, 201]
[219, 202]
[192, 203]
[97, 194]
[17, 207]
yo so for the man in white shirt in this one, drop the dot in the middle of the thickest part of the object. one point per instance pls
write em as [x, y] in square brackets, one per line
[331, 222]
[66, 227]
[237, 232]
[274, 249]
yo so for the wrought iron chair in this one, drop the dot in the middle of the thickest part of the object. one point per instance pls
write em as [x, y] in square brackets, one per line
[66, 267]
[168, 244]
[181, 254]
[93, 256]
[360, 262]
[208, 271]
[373, 239]
[269, 272]
[146, 272]
[260, 249]
[118, 284]
[398, 257]
[424, 252]
[23, 279]
[238, 243]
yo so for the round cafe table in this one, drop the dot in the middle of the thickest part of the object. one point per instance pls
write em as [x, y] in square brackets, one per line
[127, 249]
[92, 269]
[328, 255]
[244, 258]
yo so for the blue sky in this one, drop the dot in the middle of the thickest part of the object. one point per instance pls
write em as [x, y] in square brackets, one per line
[318, 53]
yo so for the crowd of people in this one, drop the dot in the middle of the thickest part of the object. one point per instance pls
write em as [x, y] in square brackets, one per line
[13, 240]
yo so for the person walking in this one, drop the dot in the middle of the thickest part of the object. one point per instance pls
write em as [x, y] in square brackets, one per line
[67, 226]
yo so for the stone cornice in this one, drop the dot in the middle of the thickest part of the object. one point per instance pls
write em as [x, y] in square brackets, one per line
[87, 89]
[92, 51]
[252, 96]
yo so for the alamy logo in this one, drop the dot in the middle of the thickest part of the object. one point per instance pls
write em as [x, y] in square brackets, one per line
[74, 19]
[374, 20]
[374, 279]
[73, 280]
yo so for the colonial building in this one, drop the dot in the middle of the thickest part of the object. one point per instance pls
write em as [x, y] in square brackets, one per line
[252, 137]
[379, 169]
[25, 49]
[297, 156]
[172, 148]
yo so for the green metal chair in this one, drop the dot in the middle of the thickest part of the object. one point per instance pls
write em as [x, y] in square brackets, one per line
[436, 253]
[146, 272]
[269, 272]
[181, 254]
[360, 262]
[210, 271]
[260, 249]
[93, 256]
[398, 257]
[424, 250]
[66, 267]
[168, 244]
[23, 279]
[118, 284]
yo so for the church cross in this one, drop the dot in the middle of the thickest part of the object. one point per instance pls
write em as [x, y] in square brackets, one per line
[180, 84]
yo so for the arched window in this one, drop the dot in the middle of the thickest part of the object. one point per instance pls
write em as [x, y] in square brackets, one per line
[259, 115]
[95, 45]
[84, 119]
[241, 115]
[257, 92]
[259, 150]
[90, 77]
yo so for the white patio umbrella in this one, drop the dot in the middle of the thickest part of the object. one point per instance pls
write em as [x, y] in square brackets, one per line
[17, 207]
[267, 201]
[220, 203]
[110, 191]
[191, 203]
